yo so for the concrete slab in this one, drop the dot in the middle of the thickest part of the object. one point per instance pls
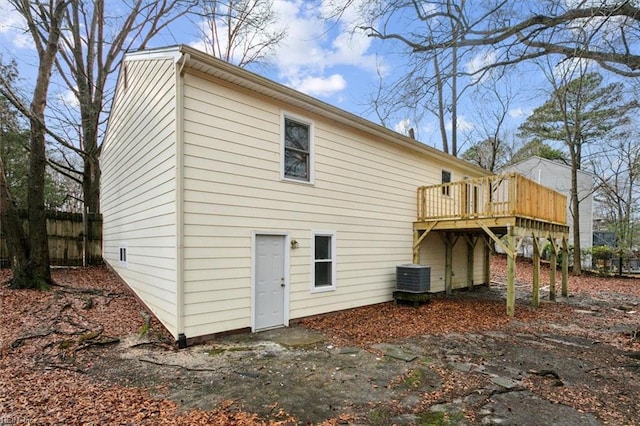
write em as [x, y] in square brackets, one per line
[396, 352]
[292, 337]
[465, 367]
[504, 382]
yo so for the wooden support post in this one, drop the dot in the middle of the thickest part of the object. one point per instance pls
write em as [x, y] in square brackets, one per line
[511, 274]
[417, 241]
[448, 268]
[565, 267]
[487, 262]
[471, 246]
[553, 264]
[535, 294]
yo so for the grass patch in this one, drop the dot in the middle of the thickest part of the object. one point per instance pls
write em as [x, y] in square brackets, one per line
[379, 418]
[413, 380]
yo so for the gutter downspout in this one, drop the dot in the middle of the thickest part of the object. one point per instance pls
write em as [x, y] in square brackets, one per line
[179, 117]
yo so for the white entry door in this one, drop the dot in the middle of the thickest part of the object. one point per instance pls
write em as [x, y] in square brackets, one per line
[270, 281]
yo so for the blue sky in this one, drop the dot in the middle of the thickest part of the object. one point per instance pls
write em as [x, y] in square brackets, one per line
[324, 59]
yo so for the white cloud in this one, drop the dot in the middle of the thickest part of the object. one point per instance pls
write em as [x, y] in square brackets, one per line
[428, 129]
[403, 126]
[11, 19]
[319, 86]
[69, 99]
[200, 45]
[462, 124]
[315, 51]
[519, 112]
[12, 27]
[479, 62]
[570, 69]
[313, 46]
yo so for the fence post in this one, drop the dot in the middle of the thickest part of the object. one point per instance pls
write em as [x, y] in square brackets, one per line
[85, 235]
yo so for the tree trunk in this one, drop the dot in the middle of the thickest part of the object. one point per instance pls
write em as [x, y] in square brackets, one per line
[575, 215]
[15, 236]
[440, 88]
[38, 238]
[91, 184]
[35, 273]
[454, 97]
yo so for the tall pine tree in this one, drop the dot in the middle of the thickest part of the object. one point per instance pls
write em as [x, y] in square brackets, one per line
[579, 113]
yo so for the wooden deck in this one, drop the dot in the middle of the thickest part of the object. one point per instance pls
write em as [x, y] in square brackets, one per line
[497, 199]
[504, 209]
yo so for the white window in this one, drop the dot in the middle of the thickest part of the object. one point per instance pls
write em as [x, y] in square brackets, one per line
[324, 261]
[297, 149]
[123, 254]
[446, 178]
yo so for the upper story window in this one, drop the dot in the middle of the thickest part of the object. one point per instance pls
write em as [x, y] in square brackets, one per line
[297, 153]
[446, 178]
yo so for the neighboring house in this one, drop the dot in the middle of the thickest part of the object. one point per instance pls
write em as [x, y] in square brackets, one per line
[557, 176]
[604, 238]
[232, 202]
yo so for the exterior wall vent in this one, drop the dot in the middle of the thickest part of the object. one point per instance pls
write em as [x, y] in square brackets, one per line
[413, 278]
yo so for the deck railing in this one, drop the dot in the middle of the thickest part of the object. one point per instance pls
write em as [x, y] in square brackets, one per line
[493, 196]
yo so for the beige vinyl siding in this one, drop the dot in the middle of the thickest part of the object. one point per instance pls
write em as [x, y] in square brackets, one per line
[364, 190]
[138, 185]
[432, 252]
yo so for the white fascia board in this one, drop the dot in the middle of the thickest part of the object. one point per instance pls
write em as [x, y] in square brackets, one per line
[172, 52]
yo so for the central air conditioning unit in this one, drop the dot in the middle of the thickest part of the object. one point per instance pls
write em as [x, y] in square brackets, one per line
[413, 278]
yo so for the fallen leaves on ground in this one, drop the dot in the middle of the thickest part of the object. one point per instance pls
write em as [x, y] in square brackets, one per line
[44, 336]
[48, 339]
[387, 322]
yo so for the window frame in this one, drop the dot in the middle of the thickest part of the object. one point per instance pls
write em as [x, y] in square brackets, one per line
[446, 190]
[283, 147]
[332, 235]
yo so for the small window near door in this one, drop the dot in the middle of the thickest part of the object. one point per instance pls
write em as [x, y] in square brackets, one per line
[297, 162]
[446, 178]
[324, 265]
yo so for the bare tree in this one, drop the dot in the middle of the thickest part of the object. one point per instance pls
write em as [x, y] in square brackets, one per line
[437, 34]
[491, 152]
[618, 172]
[603, 31]
[92, 42]
[92, 45]
[432, 81]
[241, 32]
[30, 253]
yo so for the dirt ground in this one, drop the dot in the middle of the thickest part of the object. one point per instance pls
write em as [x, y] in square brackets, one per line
[84, 354]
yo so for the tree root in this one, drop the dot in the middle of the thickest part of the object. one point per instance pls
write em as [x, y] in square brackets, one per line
[20, 340]
[91, 291]
[162, 364]
[91, 343]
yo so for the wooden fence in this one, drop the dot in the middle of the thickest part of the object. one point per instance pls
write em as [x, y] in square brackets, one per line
[67, 243]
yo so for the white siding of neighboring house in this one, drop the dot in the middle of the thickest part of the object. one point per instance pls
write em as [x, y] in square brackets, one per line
[139, 182]
[364, 190]
[558, 177]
